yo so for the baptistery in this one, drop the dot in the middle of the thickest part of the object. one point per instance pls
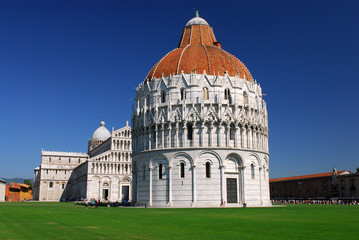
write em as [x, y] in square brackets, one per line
[200, 129]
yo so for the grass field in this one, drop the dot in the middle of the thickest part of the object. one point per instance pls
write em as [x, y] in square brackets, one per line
[70, 221]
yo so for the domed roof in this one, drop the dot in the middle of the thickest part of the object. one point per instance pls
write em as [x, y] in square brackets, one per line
[198, 51]
[197, 21]
[101, 133]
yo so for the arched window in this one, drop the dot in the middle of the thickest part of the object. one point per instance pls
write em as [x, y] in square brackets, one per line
[205, 94]
[160, 168]
[245, 97]
[148, 100]
[253, 173]
[208, 170]
[182, 169]
[163, 96]
[189, 132]
[51, 184]
[183, 93]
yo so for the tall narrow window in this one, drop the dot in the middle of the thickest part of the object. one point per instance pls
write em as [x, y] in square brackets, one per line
[63, 186]
[253, 173]
[49, 159]
[182, 169]
[51, 184]
[183, 93]
[232, 132]
[163, 97]
[148, 100]
[227, 94]
[189, 132]
[208, 170]
[160, 168]
[205, 94]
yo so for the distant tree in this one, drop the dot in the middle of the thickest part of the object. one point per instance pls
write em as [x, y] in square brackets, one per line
[358, 170]
[28, 182]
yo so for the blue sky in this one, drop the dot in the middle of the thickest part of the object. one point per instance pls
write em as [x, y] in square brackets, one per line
[65, 65]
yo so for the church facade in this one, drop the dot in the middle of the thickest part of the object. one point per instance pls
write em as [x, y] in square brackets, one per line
[200, 129]
[102, 173]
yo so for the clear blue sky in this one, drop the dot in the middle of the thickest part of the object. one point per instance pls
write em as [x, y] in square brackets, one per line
[65, 65]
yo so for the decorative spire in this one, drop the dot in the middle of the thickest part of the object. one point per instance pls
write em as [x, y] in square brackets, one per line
[102, 123]
[197, 14]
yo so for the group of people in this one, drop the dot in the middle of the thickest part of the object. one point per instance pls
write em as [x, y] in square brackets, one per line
[320, 202]
[97, 202]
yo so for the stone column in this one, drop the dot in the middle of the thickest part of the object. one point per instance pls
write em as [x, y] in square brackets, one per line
[220, 128]
[149, 139]
[137, 188]
[184, 136]
[145, 139]
[194, 129]
[223, 184]
[156, 132]
[194, 198]
[228, 129]
[210, 135]
[169, 135]
[260, 185]
[243, 177]
[177, 129]
[150, 188]
[170, 185]
[163, 136]
[202, 133]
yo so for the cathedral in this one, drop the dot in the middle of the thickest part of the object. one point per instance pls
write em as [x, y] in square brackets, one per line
[102, 173]
[200, 129]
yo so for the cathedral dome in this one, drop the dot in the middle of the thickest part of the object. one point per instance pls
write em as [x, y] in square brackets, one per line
[101, 133]
[198, 51]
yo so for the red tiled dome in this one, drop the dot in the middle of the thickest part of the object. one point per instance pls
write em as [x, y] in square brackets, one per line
[199, 51]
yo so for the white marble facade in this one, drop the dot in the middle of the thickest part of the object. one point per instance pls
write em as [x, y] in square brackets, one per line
[199, 140]
[103, 173]
[2, 190]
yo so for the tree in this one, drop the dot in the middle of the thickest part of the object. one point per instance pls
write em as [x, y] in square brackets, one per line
[358, 170]
[28, 182]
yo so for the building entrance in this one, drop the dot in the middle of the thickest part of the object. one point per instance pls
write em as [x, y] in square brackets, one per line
[104, 193]
[125, 193]
[232, 190]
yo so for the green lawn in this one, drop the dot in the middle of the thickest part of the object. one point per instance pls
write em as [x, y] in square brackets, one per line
[69, 221]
